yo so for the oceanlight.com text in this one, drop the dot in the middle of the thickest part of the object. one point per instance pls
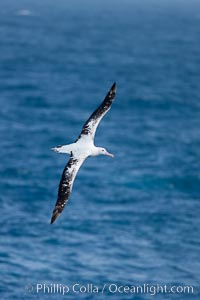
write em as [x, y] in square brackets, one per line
[108, 288]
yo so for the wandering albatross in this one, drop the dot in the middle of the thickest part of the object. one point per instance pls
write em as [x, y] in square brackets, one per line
[79, 151]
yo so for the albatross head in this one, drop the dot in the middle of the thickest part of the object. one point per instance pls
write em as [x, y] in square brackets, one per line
[103, 151]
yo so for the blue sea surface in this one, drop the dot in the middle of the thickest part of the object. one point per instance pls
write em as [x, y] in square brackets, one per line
[132, 220]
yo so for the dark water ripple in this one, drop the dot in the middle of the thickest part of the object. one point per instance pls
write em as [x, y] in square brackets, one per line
[131, 220]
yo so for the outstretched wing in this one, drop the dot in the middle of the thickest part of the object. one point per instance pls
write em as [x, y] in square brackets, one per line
[66, 184]
[90, 126]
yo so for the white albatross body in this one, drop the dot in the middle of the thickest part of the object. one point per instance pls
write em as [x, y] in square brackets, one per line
[82, 148]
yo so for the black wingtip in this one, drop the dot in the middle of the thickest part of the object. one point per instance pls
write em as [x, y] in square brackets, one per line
[112, 92]
[113, 88]
[55, 215]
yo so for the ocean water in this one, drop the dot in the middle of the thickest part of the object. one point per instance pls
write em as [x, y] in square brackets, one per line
[132, 220]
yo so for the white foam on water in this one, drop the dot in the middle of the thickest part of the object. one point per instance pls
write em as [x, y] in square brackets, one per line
[23, 12]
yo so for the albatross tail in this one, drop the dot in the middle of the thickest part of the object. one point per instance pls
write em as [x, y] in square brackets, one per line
[63, 149]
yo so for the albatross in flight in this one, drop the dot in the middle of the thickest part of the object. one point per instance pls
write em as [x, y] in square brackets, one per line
[79, 151]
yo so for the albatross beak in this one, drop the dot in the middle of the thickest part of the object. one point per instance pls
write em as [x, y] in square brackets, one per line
[109, 154]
